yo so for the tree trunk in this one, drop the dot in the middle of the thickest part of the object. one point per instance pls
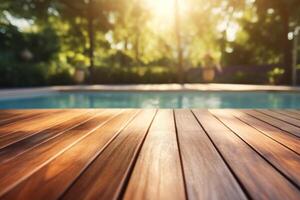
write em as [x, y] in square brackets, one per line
[286, 47]
[179, 45]
[91, 35]
[223, 47]
[224, 35]
[137, 46]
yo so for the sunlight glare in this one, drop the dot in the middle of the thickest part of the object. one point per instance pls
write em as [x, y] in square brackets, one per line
[22, 23]
[231, 29]
[164, 10]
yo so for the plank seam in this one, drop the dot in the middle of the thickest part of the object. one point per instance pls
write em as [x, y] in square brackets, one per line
[97, 154]
[20, 117]
[272, 124]
[277, 118]
[266, 134]
[39, 131]
[275, 168]
[243, 188]
[286, 114]
[55, 156]
[36, 117]
[294, 111]
[180, 157]
[60, 133]
[132, 164]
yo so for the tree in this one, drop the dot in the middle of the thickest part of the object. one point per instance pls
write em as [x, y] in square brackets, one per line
[276, 19]
[288, 13]
[178, 40]
[95, 16]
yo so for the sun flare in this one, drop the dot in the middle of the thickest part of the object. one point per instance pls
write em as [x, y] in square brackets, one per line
[164, 10]
[161, 8]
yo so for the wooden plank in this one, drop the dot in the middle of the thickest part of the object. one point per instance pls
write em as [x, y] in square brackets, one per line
[29, 124]
[286, 139]
[107, 175]
[259, 178]
[285, 160]
[17, 148]
[11, 116]
[290, 120]
[201, 162]
[275, 122]
[7, 114]
[11, 113]
[64, 169]
[37, 127]
[29, 162]
[19, 116]
[157, 173]
[288, 113]
[295, 111]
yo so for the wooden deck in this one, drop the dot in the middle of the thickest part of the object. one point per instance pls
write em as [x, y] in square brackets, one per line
[149, 154]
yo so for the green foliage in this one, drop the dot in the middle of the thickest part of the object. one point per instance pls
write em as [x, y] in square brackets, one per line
[275, 75]
[21, 74]
[17, 68]
[138, 74]
[61, 78]
[43, 41]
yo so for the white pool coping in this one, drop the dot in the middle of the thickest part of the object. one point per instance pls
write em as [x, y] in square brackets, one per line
[25, 92]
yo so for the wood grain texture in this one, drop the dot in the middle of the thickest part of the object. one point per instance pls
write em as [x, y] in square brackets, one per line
[7, 114]
[23, 113]
[258, 177]
[57, 175]
[30, 124]
[14, 116]
[25, 144]
[144, 154]
[288, 113]
[289, 140]
[275, 122]
[290, 120]
[106, 176]
[201, 162]
[29, 162]
[295, 111]
[285, 160]
[157, 173]
[38, 126]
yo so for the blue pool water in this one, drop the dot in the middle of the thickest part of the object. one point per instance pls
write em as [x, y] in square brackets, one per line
[156, 100]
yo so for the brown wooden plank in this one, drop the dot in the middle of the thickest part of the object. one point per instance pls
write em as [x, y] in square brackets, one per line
[295, 111]
[258, 177]
[290, 120]
[285, 160]
[201, 162]
[17, 148]
[17, 116]
[37, 127]
[63, 170]
[11, 116]
[106, 176]
[275, 122]
[7, 114]
[29, 124]
[280, 136]
[30, 161]
[157, 173]
[12, 113]
[288, 113]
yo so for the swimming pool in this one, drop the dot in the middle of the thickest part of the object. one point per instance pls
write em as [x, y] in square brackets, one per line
[199, 99]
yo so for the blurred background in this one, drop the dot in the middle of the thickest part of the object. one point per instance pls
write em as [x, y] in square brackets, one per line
[64, 42]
